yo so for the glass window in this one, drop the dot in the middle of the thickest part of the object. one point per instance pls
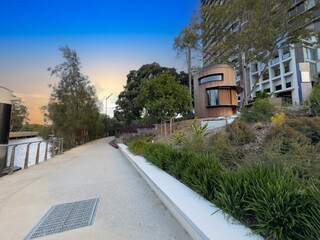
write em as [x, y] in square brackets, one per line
[286, 67]
[318, 53]
[213, 97]
[276, 71]
[211, 78]
[309, 53]
[313, 70]
[301, 7]
[275, 59]
[286, 53]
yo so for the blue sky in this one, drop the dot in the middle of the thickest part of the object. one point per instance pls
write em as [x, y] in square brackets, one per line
[110, 37]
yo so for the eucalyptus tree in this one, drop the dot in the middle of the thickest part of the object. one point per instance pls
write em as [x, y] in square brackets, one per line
[72, 108]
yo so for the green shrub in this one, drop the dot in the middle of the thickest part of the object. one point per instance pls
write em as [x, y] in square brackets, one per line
[160, 155]
[308, 127]
[280, 205]
[180, 164]
[229, 156]
[240, 133]
[232, 195]
[314, 100]
[262, 111]
[202, 174]
[272, 201]
[287, 137]
[196, 142]
[302, 157]
[137, 147]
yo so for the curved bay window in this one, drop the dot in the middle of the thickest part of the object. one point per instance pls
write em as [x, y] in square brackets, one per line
[213, 97]
[211, 78]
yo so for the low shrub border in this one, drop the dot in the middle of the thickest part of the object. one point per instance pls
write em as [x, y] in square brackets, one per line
[192, 211]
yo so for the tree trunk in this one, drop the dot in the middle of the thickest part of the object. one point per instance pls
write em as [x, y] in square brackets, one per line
[165, 128]
[189, 72]
[171, 125]
[244, 72]
[161, 128]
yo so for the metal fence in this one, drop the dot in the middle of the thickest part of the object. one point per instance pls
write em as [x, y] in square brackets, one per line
[53, 146]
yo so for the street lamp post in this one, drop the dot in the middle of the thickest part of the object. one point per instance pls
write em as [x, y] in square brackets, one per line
[107, 111]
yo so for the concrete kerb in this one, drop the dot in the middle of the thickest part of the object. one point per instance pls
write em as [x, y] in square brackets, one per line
[192, 211]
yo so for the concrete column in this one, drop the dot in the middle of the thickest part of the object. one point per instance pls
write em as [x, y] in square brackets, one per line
[5, 115]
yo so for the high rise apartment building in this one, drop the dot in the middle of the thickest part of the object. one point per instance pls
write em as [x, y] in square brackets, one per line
[292, 71]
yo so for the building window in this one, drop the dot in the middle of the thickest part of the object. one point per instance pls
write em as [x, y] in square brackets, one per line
[276, 71]
[300, 7]
[313, 70]
[309, 53]
[285, 53]
[286, 67]
[288, 84]
[255, 67]
[275, 59]
[211, 78]
[213, 97]
[278, 87]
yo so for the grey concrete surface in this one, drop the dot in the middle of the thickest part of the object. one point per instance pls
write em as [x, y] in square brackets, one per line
[128, 209]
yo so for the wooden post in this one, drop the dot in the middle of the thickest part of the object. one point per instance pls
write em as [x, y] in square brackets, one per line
[12, 160]
[26, 160]
[38, 151]
[46, 153]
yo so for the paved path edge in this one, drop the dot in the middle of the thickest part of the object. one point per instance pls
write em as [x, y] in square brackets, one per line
[191, 210]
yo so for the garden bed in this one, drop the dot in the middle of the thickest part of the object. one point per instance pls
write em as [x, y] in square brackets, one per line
[193, 212]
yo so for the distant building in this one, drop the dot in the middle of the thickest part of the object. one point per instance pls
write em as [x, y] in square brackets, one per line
[215, 93]
[293, 70]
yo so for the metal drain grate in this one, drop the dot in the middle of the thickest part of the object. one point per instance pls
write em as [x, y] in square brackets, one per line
[65, 217]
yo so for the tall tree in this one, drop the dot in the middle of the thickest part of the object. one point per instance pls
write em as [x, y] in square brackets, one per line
[185, 43]
[19, 117]
[127, 109]
[239, 31]
[73, 106]
[164, 98]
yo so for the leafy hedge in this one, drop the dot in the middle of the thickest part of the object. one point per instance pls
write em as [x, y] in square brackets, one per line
[269, 198]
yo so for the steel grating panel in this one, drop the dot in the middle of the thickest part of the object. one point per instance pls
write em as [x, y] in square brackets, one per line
[65, 217]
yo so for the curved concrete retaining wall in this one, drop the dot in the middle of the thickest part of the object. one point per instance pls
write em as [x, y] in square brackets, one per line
[192, 211]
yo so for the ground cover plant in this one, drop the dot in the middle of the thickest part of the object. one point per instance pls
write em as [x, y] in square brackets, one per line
[274, 191]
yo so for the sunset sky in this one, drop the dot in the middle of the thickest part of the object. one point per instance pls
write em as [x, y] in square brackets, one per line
[110, 37]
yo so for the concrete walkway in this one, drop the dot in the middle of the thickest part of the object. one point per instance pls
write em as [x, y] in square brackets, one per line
[128, 209]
